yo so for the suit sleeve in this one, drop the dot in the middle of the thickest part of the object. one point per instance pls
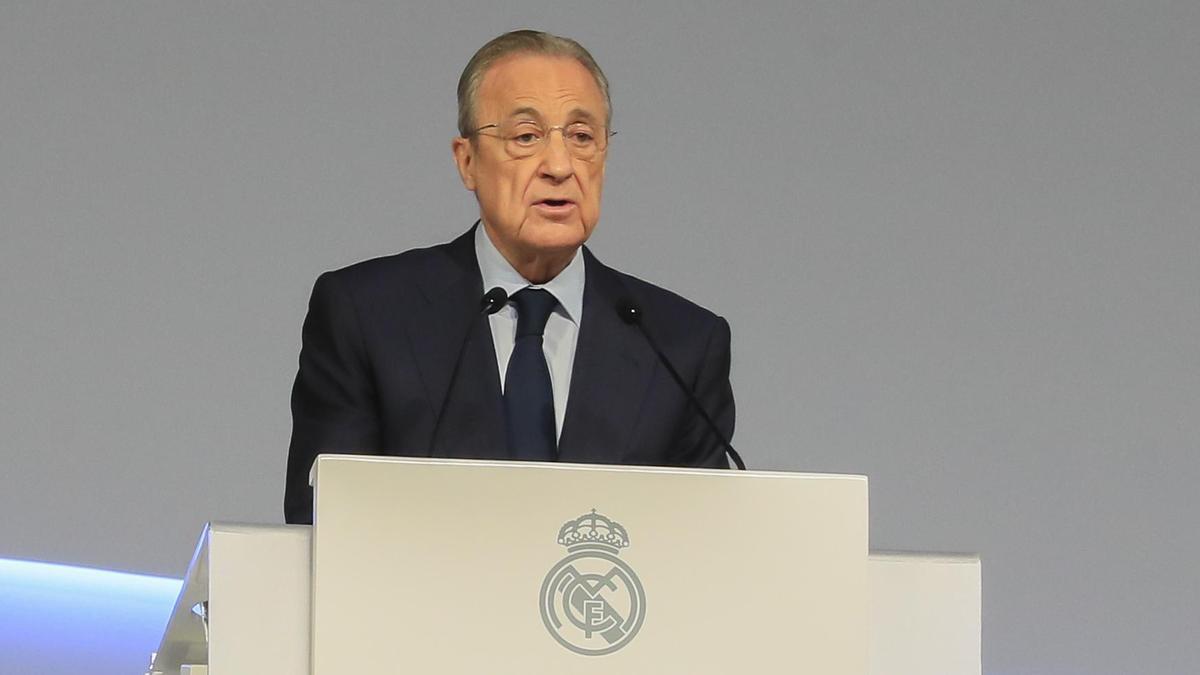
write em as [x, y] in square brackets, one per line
[715, 393]
[334, 405]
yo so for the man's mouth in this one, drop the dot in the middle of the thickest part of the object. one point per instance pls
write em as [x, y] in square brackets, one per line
[555, 209]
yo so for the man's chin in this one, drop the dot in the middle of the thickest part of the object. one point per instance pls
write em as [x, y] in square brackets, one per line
[551, 235]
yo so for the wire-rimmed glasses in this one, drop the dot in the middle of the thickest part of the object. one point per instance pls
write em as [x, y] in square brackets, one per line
[525, 138]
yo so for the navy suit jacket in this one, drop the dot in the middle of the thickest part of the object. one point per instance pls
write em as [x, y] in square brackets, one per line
[380, 359]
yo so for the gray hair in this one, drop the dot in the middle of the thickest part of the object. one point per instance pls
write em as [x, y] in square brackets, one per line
[520, 42]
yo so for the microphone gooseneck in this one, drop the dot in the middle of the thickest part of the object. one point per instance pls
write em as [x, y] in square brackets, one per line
[491, 302]
[631, 313]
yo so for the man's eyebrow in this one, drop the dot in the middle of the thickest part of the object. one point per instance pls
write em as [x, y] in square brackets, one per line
[581, 114]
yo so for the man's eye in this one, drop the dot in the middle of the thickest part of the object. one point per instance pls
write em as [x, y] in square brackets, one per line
[527, 138]
[581, 135]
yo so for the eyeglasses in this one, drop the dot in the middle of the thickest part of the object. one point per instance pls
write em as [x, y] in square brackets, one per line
[526, 138]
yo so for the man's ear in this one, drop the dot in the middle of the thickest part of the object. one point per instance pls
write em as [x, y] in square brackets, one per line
[464, 159]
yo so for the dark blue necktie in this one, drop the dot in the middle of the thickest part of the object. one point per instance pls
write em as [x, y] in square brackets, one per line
[528, 395]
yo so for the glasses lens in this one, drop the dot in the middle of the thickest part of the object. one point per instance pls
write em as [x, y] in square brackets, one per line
[583, 140]
[522, 137]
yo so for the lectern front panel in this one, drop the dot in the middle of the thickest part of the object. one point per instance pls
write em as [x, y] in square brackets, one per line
[452, 566]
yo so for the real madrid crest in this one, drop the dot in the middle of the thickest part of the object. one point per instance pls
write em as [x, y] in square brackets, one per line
[591, 601]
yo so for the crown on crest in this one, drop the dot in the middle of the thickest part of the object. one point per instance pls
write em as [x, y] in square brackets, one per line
[593, 529]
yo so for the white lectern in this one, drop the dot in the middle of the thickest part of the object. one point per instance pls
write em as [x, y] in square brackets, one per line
[443, 566]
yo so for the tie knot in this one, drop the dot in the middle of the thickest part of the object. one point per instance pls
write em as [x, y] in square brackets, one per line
[534, 306]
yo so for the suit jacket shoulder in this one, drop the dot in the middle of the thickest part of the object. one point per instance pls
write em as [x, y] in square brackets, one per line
[675, 321]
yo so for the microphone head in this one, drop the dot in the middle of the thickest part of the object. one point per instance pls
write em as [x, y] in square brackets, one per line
[493, 300]
[629, 311]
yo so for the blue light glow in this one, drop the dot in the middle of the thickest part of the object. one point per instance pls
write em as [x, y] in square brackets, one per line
[62, 619]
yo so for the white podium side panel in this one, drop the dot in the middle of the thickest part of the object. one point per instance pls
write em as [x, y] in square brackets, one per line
[256, 580]
[925, 614]
[742, 571]
[259, 600]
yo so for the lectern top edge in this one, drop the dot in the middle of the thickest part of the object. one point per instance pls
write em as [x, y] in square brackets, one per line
[566, 466]
[927, 557]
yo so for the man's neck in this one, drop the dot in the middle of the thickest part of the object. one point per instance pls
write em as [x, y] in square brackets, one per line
[537, 267]
[566, 284]
[542, 269]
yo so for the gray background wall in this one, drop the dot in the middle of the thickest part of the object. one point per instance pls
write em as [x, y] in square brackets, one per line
[957, 243]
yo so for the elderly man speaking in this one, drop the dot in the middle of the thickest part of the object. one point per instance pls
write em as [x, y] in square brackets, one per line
[513, 341]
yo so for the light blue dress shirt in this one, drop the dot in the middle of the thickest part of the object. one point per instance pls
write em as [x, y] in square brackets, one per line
[562, 328]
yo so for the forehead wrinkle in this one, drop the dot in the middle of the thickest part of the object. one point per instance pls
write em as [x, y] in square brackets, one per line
[542, 97]
[526, 110]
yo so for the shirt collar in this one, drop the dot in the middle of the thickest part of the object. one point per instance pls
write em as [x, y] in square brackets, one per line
[567, 287]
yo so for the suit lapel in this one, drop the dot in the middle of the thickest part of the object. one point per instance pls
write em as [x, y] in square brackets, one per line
[466, 390]
[610, 377]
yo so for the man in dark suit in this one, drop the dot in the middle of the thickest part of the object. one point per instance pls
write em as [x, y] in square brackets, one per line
[399, 359]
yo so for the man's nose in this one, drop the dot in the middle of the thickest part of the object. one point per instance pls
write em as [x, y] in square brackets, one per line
[556, 159]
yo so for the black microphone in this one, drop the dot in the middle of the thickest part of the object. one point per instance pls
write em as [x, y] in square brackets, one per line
[631, 314]
[493, 301]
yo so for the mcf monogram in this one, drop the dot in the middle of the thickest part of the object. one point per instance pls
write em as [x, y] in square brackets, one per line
[591, 601]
